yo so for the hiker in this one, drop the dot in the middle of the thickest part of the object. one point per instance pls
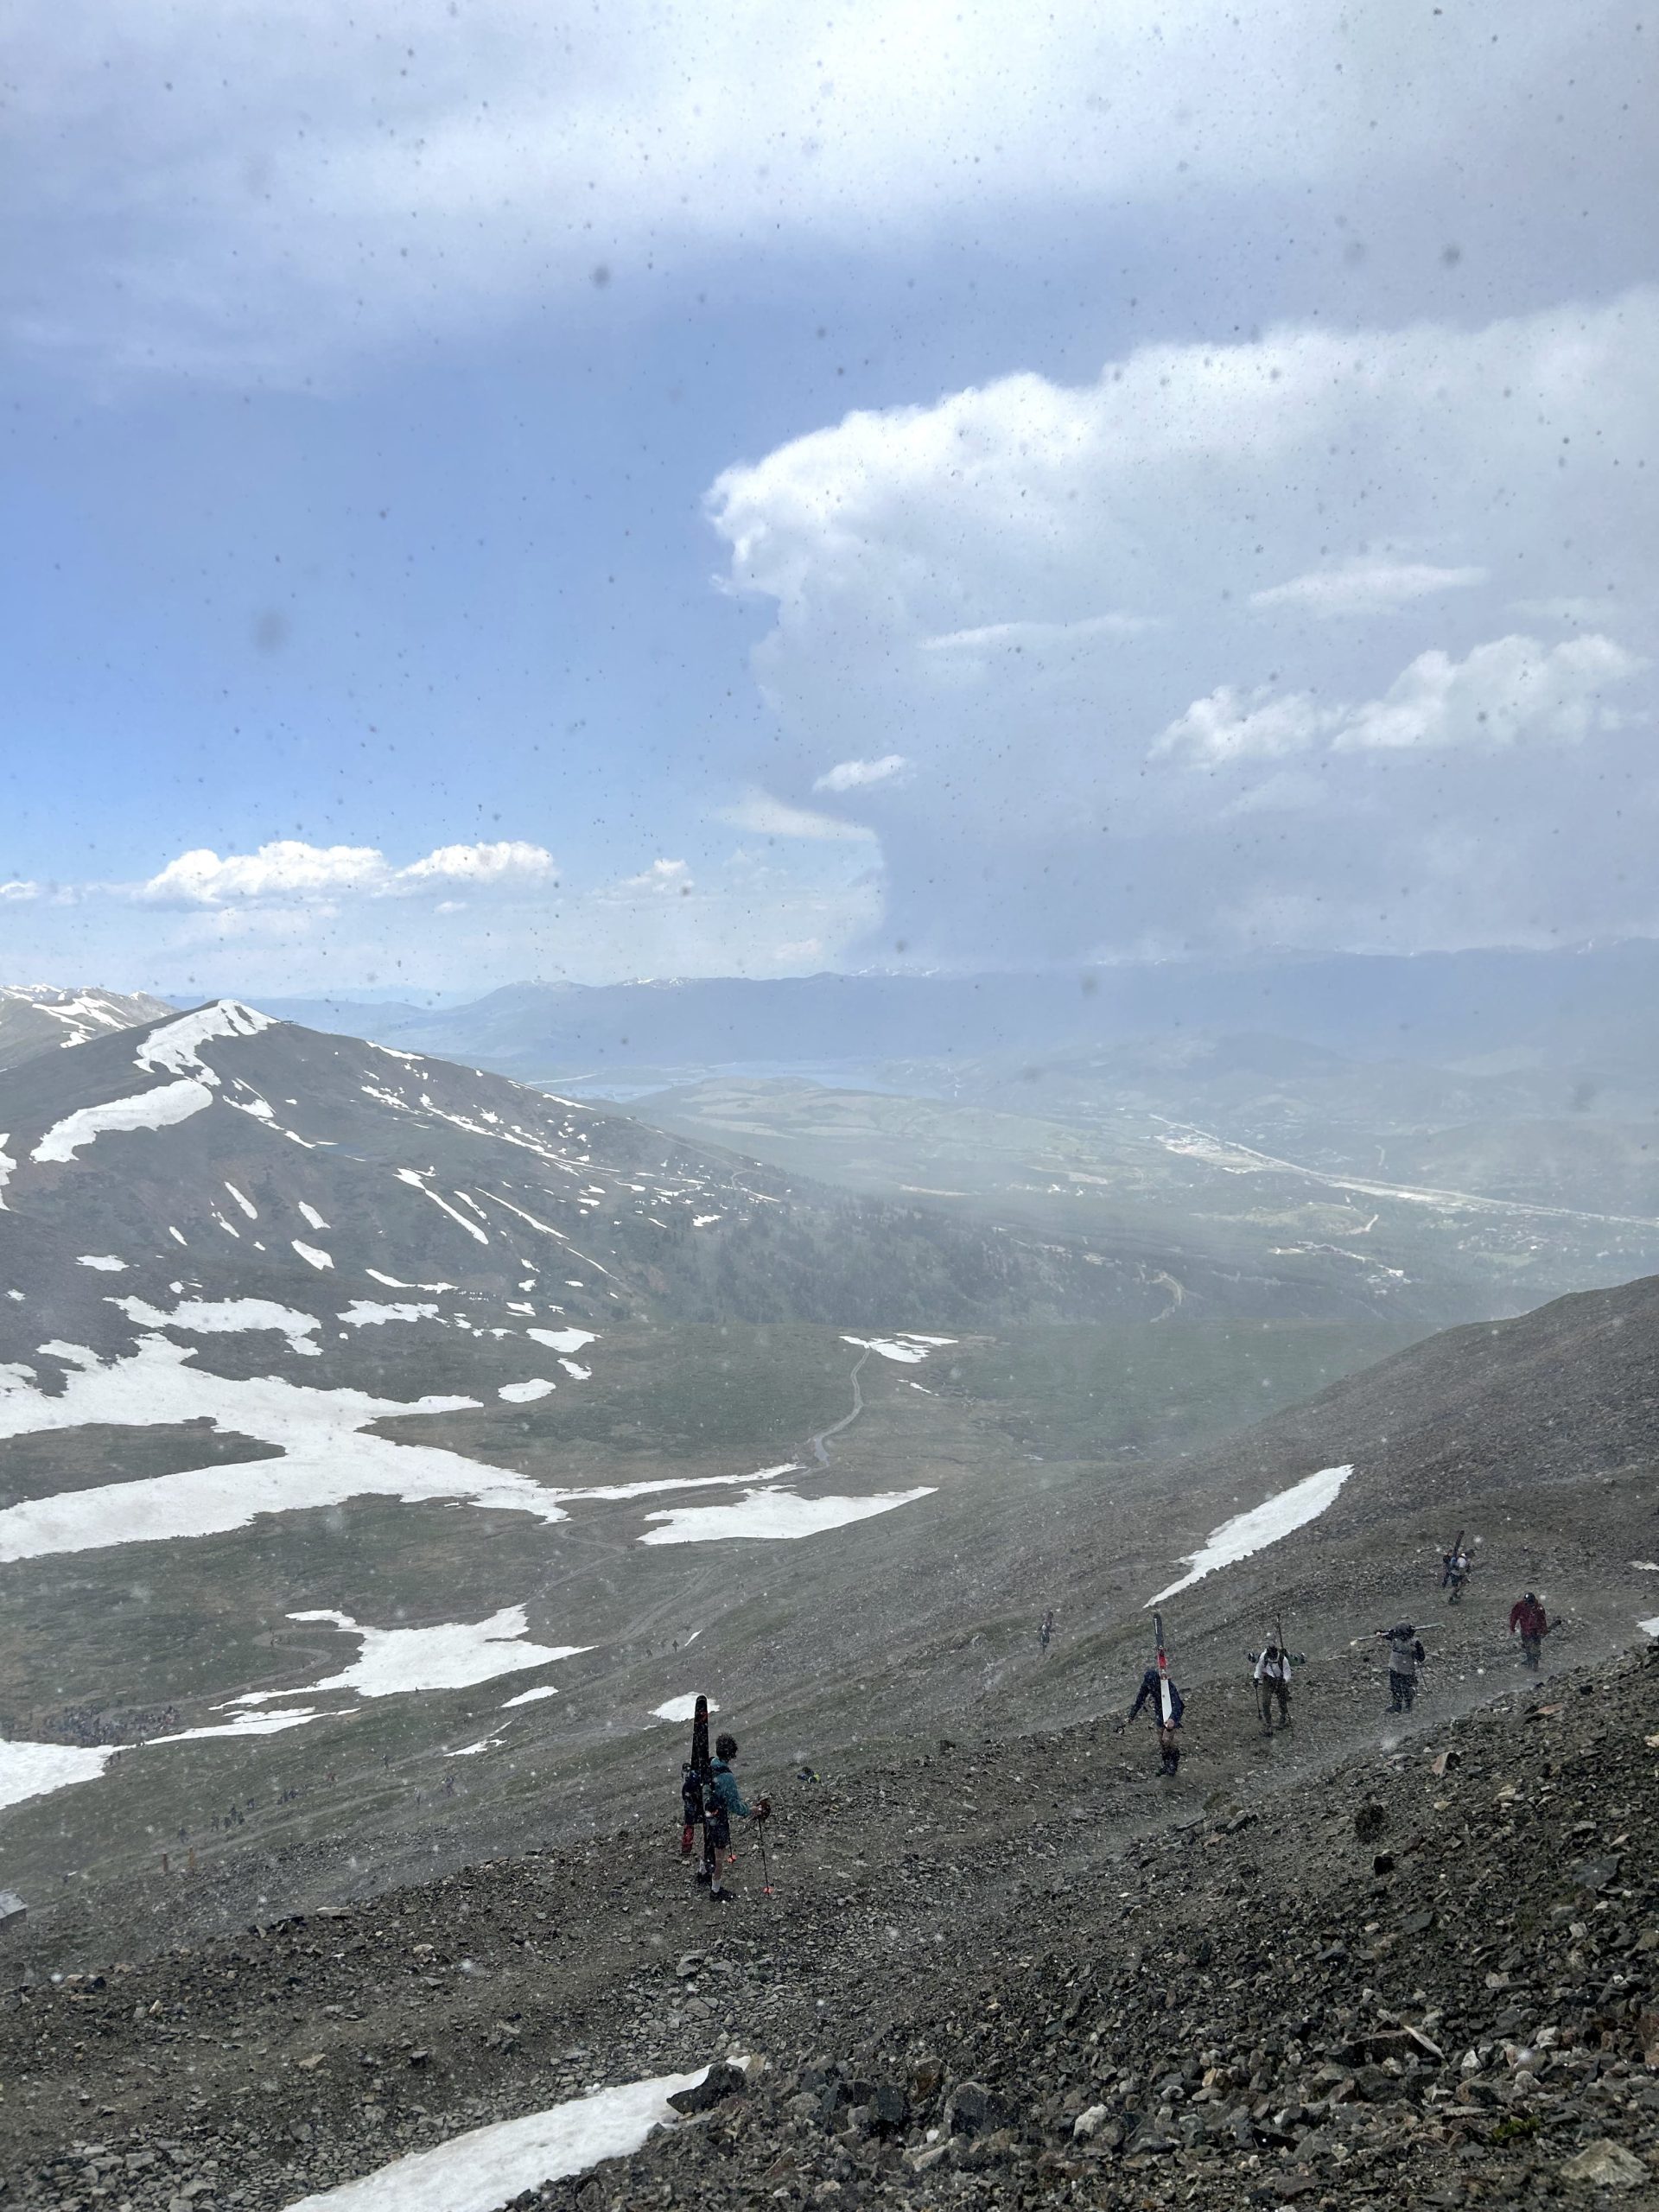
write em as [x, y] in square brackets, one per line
[1406, 1655]
[1048, 1628]
[1527, 1620]
[1272, 1678]
[1169, 1746]
[1454, 1572]
[723, 1800]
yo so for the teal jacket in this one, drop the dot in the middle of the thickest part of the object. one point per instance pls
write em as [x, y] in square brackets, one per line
[725, 1793]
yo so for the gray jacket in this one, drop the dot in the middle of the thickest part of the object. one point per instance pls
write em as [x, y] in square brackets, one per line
[1404, 1652]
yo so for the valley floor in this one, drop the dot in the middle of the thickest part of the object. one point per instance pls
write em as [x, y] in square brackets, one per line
[998, 1973]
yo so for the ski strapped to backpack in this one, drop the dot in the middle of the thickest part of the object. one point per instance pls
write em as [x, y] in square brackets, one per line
[694, 1778]
[1165, 1691]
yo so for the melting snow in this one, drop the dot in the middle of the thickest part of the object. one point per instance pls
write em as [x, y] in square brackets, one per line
[772, 1516]
[105, 1261]
[680, 1709]
[576, 1369]
[246, 1204]
[1650, 1627]
[313, 1215]
[1262, 1525]
[151, 1109]
[529, 1697]
[562, 1339]
[312, 1255]
[469, 1750]
[408, 1175]
[486, 2168]
[524, 1394]
[36, 1769]
[364, 1313]
[226, 1317]
[177, 1045]
[328, 1458]
[450, 1656]
[908, 1350]
[249, 1724]
[392, 1283]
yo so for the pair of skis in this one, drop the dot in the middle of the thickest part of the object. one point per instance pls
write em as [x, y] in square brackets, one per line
[702, 1768]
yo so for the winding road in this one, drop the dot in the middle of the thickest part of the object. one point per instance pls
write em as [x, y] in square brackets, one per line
[834, 1428]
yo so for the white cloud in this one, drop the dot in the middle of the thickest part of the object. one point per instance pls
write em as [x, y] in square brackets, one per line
[1502, 693]
[297, 193]
[858, 775]
[661, 877]
[929, 568]
[766, 816]
[1366, 585]
[289, 871]
[17, 889]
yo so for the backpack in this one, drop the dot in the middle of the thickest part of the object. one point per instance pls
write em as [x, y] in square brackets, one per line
[691, 1796]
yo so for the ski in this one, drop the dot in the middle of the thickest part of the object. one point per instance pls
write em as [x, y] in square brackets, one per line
[699, 1760]
[1166, 1703]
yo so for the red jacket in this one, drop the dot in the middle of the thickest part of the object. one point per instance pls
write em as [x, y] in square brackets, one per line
[1528, 1619]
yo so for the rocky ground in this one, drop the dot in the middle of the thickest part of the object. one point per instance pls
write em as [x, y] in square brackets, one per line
[995, 1973]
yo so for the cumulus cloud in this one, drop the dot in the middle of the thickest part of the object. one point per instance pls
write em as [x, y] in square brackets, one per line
[1364, 585]
[859, 775]
[287, 871]
[1512, 689]
[305, 196]
[19, 888]
[661, 877]
[908, 554]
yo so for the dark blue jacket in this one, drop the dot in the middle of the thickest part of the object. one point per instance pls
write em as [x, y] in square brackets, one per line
[1149, 1689]
[724, 1792]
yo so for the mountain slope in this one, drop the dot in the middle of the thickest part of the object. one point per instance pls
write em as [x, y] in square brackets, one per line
[40, 1017]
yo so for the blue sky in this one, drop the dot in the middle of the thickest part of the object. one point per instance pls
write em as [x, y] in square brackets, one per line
[679, 491]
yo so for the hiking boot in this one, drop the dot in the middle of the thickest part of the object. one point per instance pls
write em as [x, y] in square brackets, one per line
[721, 1896]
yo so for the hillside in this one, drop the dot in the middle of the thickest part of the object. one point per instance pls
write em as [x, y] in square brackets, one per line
[43, 1018]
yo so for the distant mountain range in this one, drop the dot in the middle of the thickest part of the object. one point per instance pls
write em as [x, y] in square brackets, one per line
[1585, 1005]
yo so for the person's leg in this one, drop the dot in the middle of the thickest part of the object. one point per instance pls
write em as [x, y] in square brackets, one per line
[1409, 1682]
[1396, 1692]
[1264, 1706]
[1283, 1692]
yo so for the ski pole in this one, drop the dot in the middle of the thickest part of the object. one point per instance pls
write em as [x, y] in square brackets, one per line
[766, 1870]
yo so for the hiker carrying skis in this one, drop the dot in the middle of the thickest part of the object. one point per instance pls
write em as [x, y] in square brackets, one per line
[1406, 1655]
[1454, 1572]
[1048, 1628]
[1271, 1675]
[722, 1803]
[1170, 1701]
[1528, 1621]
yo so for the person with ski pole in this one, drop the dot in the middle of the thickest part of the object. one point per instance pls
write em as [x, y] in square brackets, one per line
[1406, 1655]
[723, 1803]
[1271, 1675]
[1528, 1621]
[1168, 1706]
[1454, 1572]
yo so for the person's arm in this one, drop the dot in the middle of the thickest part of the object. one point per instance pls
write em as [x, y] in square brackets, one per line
[1146, 1692]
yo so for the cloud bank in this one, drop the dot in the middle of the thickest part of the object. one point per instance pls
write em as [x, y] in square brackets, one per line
[1378, 669]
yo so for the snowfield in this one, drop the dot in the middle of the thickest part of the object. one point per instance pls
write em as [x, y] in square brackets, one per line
[484, 2170]
[772, 1516]
[36, 1769]
[326, 1458]
[1262, 1525]
[451, 1657]
[907, 1349]
[150, 1109]
[680, 1709]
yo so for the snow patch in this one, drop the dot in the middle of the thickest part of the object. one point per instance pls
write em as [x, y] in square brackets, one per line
[391, 1282]
[247, 1723]
[313, 1215]
[36, 1769]
[529, 1697]
[562, 1339]
[408, 1175]
[486, 2168]
[151, 1109]
[246, 1204]
[106, 1263]
[364, 1313]
[176, 1045]
[1650, 1628]
[7, 1165]
[1262, 1525]
[907, 1349]
[574, 1368]
[680, 1709]
[312, 1256]
[772, 1516]
[326, 1455]
[525, 1394]
[451, 1657]
[226, 1317]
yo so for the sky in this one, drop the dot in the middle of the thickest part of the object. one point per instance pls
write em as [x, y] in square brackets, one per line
[593, 491]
